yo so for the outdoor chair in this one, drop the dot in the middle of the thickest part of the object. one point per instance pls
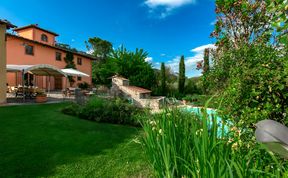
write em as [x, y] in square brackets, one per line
[19, 92]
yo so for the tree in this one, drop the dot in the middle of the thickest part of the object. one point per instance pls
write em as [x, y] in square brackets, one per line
[133, 66]
[206, 60]
[181, 79]
[249, 66]
[243, 21]
[69, 59]
[163, 85]
[99, 48]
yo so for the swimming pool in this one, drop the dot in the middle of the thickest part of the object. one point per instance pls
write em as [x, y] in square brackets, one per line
[211, 113]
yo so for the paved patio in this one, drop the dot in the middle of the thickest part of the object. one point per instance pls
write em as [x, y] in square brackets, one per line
[52, 97]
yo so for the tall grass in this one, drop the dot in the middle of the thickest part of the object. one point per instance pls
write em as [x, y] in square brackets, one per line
[181, 144]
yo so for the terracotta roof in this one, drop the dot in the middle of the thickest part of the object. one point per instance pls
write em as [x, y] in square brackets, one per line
[9, 25]
[54, 47]
[35, 26]
[138, 89]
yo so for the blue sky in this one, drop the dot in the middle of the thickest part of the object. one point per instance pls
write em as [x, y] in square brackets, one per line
[166, 29]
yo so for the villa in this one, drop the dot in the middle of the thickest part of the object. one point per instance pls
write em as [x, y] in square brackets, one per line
[33, 45]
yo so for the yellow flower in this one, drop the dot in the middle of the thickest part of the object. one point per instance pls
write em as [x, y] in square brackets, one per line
[235, 145]
[160, 131]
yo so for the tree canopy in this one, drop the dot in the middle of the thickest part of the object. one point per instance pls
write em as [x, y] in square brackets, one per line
[99, 48]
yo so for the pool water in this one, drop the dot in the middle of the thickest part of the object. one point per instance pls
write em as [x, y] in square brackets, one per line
[212, 115]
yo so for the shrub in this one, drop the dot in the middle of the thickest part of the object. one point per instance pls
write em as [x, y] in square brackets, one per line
[71, 109]
[180, 144]
[116, 111]
[83, 85]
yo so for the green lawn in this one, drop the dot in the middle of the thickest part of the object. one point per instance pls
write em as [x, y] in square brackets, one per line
[39, 141]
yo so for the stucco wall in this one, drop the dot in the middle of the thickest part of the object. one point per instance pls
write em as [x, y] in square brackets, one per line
[3, 87]
[37, 37]
[26, 33]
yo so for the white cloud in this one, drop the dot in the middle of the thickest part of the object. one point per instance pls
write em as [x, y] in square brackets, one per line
[213, 22]
[90, 51]
[165, 7]
[148, 59]
[190, 62]
[167, 3]
[201, 49]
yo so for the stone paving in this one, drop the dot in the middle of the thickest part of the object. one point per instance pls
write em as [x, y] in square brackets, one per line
[53, 97]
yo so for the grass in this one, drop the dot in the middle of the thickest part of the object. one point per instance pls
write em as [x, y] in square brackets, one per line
[40, 141]
[180, 144]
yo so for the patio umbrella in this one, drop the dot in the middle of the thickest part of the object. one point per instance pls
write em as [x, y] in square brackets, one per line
[74, 72]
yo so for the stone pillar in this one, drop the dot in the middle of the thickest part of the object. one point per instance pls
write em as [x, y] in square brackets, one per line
[3, 81]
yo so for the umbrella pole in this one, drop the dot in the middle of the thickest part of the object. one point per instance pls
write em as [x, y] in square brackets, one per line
[49, 85]
[23, 86]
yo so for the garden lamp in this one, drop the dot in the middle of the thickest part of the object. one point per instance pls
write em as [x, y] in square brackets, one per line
[274, 135]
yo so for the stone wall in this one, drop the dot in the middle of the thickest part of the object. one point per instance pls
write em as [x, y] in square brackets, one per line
[143, 100]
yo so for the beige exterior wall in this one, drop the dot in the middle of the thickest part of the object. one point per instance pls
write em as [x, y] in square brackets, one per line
[3, 87]
[26, 33]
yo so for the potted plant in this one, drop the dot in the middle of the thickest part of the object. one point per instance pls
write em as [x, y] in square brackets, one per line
[41, 97]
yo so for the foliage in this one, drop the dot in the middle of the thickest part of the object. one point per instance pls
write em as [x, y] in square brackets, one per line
[180, 144]
[99, 48]
[132, 65]
[163, 84]
[102, 72]
[115, 111]
[259, 85]
[243, 22]
[171, 82]
[83, 85]
[181, 79]
[71, 109]
[67, 47]
[193, 86]
[206, 60]
[69, 59]
[102, 50]
[280, 20]
[250, 62]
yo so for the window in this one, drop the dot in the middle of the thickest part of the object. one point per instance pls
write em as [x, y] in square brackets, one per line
[79, 61]
[58, 56]
[79, 78]
[44, 38]
[29, 50]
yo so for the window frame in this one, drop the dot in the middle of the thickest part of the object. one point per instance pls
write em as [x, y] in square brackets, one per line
[27, 51]
[57, 55]
[44, 37]
[79, 61]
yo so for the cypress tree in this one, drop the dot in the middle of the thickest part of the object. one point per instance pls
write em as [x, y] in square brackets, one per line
[163, 79]
[181, 79]
[206, 61]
